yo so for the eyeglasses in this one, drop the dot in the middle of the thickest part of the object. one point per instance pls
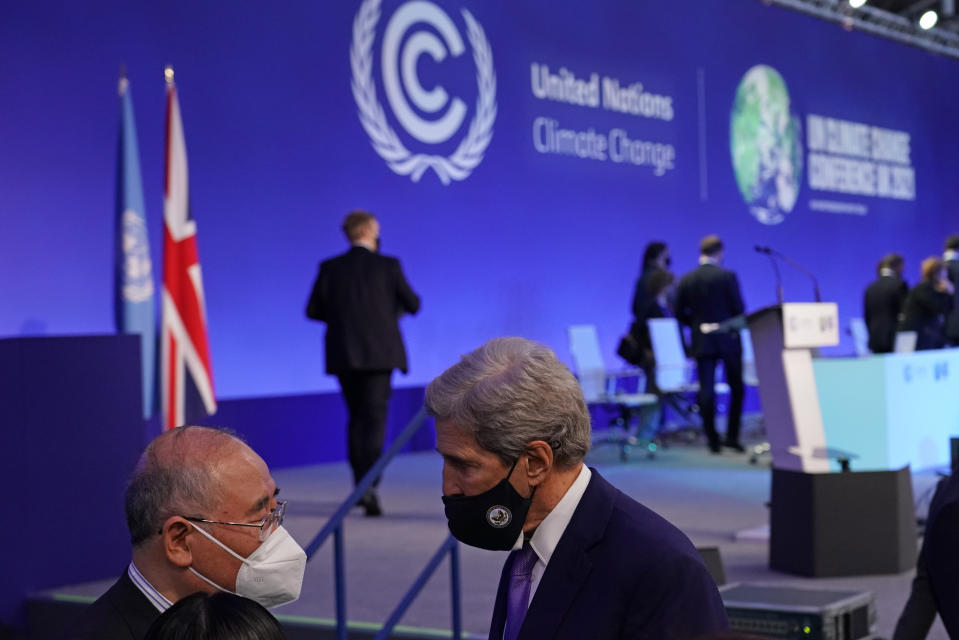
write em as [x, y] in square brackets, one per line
[270, 521]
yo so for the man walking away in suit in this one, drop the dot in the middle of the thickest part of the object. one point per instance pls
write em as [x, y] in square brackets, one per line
[883, 303]
[587, 560]
[951, 260]
[360, 295]
[705, 297]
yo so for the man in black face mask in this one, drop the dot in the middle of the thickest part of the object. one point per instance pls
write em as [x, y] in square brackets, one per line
[587, 561]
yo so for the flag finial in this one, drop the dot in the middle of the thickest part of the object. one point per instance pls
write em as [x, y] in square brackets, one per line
[123, 83]
[168, 73]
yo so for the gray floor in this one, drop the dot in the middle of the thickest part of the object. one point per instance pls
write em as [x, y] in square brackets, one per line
[710, 498]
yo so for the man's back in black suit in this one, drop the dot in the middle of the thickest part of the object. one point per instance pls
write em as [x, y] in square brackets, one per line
[882, 306]
[710, 295]
[360, 295]
[706, 295]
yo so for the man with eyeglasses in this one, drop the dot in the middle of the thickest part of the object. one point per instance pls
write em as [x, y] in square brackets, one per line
[203, 515]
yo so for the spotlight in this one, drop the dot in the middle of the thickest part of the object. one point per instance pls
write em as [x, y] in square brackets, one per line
[928, 20]
[855, 4]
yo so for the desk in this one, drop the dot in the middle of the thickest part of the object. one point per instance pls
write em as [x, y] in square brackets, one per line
[891, 410]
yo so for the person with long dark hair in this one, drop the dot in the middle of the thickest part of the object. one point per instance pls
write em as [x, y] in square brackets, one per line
[655, 258]
[220, 616]
[652, 298]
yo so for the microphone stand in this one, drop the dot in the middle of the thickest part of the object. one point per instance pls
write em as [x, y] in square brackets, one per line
[772, 260]
[798, 267]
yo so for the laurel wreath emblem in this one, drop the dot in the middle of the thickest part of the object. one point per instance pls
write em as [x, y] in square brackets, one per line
[469, 153]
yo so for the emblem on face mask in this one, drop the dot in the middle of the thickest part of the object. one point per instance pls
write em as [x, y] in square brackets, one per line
[498, 516]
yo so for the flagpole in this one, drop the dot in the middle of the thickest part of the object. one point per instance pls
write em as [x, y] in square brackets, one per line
[123, 83]
[168, 367]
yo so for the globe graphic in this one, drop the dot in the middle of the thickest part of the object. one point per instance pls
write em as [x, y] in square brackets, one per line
[765, 142]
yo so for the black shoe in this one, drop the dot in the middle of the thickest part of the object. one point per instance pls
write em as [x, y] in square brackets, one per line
[371, 504]
[714, 447]
[735, 446]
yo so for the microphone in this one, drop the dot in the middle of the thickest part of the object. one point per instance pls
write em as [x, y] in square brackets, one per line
[766, 251]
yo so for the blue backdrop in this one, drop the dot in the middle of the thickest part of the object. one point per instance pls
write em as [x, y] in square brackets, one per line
[531, 240]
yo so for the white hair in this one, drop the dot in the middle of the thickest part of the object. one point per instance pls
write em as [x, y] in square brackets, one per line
[510, 392]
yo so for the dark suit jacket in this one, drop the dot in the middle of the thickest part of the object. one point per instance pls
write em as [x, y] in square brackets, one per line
[925, 313]
[619, 571]
[705, 295]
[122, 613]
[941, 552]
[360, 295]
[882, 304]
[952, 320]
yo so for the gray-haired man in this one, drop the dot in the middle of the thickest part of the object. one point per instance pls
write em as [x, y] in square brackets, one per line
[203, 516]
[587, 561]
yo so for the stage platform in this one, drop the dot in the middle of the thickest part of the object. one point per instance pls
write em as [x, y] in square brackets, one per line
[710, 498]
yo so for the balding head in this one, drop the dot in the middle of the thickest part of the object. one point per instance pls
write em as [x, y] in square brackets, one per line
[179, 473]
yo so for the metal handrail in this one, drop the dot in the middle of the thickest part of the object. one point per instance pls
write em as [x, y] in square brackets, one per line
[451, 546]
[334, 527]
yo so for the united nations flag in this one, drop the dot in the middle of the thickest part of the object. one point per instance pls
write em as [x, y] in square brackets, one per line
[133, 273]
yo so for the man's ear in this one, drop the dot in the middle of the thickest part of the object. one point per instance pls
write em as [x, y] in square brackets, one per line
[539, 458]
[175, 538]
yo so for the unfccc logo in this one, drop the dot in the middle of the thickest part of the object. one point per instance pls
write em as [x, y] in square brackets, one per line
[399, 58]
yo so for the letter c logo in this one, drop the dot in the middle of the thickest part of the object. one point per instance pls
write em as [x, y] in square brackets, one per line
[397, 64]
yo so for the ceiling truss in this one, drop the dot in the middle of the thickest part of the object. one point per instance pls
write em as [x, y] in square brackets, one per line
[900, 26]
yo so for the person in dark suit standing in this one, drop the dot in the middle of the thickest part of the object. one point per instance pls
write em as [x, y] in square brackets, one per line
[883, 302]
[928, 304]
[951, 258]
[706, 297]
[587, 561]
[935, 589]
[203, 515]
[360, 295]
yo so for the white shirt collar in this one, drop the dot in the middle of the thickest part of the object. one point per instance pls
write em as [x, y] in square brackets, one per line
[156, 598]
[553, 526]
[950, 254]
[886, 272]
[708, 260]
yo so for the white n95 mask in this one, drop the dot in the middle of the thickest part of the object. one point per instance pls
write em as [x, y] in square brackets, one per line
[272, 575]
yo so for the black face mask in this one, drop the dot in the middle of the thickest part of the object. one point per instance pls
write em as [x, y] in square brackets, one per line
[490, 520]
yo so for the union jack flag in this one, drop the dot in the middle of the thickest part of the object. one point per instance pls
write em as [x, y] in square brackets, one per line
[186, 376]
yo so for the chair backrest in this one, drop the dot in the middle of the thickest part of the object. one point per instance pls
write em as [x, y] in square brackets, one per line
[588, 361]
[749, 359]
[905, 341]
[860, 336]
[671, 363]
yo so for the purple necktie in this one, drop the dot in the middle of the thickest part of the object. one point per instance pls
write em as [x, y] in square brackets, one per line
[521, 564]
